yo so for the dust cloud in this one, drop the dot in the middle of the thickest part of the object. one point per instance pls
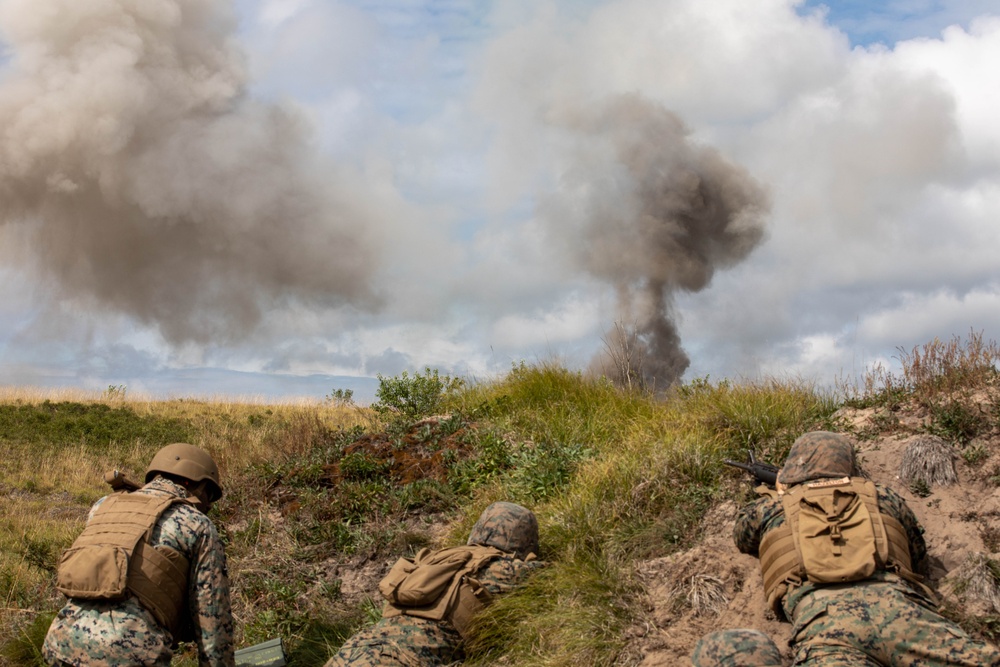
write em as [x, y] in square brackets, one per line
[651, 212]
[148, 182]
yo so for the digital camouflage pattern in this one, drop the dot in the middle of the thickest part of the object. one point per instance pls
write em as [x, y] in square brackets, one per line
[818, 455]
[401, 640]
[120, 633]
[881, 620]
[508, 527]
[881, 623]
[406, 641]
[417, 642]
[736, 648]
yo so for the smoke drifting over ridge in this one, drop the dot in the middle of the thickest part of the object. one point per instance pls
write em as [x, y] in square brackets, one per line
[651, 212]
[147, 181]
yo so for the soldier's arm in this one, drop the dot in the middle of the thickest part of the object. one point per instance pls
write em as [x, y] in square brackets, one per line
[209, 603]
[893, 504]
[749, 526]
[505, 574]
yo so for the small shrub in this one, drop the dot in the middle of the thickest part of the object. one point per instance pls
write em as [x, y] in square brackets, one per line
[978, 578]
[341, 397]
[990, 534]
[544, 470]
[360, 466]
[957, 420]
[885, 421]
[409, 397]
[493, 456]
[920, 488]
[115, 392]
[975, 454]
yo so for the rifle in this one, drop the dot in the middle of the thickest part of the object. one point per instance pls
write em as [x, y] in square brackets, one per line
[266, 654]
[119, 482]
[765, 473]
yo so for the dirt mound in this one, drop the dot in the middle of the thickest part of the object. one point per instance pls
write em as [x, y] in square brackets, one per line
[961, 531]
[427, 450]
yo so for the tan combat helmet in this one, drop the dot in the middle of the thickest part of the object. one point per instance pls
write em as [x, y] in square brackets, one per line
[189, 462]
[508, 527]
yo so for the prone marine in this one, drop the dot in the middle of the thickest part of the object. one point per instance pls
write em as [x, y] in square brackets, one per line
[418, 632]
[844, 560]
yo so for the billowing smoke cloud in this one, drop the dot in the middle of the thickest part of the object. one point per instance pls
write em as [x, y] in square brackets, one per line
[651, 212]
[150, 183]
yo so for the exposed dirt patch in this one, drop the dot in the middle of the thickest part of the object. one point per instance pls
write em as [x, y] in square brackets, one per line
[961, 521]
[425, 451]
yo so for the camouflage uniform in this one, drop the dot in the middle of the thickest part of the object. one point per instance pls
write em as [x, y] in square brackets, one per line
[417, 642]
[736, 648]
[120, 633]
[881, 620]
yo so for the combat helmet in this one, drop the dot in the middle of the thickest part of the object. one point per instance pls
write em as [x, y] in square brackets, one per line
[189, 462]
[736, 648]
[508, 527]
[816, 455]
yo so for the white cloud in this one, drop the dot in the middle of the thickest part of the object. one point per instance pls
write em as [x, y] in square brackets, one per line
[565, 323]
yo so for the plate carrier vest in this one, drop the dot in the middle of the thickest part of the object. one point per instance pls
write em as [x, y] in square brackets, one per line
[833, 533]
[113, 558]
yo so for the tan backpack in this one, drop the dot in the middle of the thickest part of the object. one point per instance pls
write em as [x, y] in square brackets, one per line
[833, 532]
[839, 537]
[436, 585]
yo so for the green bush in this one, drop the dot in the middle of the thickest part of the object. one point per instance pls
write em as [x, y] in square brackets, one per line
[409, 397]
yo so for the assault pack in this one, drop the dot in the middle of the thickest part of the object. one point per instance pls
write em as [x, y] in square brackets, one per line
[438, 585]
[833, 533]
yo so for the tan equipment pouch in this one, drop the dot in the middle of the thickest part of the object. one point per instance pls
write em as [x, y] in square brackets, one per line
[435, 585]
[838, 537]
[97, 572]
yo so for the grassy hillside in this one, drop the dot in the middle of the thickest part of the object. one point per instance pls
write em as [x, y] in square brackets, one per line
[321, 498]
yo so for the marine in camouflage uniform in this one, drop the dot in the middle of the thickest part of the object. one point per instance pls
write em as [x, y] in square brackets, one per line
[117, 633]
[881, 620]
[418, 642]
[736, 648]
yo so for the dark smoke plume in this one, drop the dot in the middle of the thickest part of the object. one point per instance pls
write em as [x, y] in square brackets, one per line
[651, 212]
[150, 183]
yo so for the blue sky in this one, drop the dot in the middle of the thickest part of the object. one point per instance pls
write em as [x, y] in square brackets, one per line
[280, 197]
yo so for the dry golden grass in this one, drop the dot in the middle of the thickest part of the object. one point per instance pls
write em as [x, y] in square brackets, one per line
[930, 459]
[48, 486]
[930, 371]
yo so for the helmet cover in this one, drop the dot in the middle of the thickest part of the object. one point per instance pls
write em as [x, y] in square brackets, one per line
[508, 527]
[816, 455]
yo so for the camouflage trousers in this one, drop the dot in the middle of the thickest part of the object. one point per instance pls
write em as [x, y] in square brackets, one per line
[401, 641]
[880, 624]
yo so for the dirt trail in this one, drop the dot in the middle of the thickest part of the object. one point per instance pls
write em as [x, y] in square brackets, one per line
[713, 586]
